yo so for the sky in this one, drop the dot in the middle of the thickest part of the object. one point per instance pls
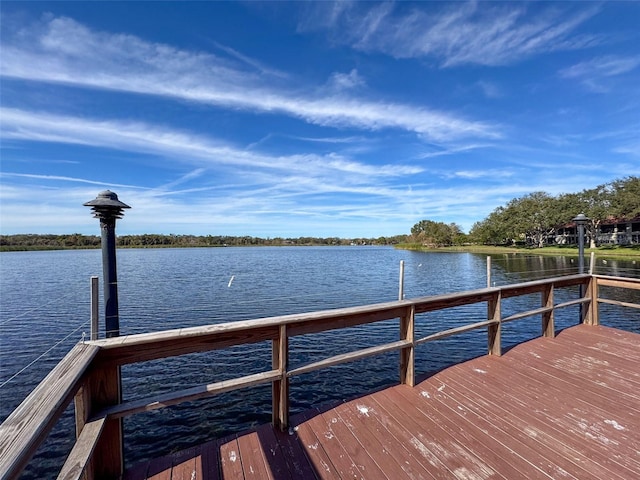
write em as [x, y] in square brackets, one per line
[309, 118]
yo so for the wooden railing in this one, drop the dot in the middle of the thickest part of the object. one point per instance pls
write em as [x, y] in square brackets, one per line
[90, 372]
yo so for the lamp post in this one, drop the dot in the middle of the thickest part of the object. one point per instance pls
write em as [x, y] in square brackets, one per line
[581, 220]
[108, 209]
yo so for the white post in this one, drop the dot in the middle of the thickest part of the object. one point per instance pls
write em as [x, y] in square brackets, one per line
[401, 282]
[592, 262]
[488, 272]
[94, 308]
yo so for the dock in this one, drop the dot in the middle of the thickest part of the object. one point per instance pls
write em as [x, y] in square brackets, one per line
[564, 407]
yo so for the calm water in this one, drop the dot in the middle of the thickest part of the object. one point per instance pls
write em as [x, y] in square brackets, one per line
[44, 311]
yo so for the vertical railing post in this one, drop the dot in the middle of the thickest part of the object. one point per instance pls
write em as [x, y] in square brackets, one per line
[407, 354]
[104, 391]
[595, 309]
[280, 388]
[548, 323]
[82, 404]
[95, 312]
[590, 312]
[493, 331]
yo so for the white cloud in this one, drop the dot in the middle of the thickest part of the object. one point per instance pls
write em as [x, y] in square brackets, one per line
[451, 150]
[632, 149]
[49, 207]
[490, 89]
[456, 33]
[606, 66]
[482, 173]
[346, 81]
[594, 73]
[63, 51]
[252, 62]
[60, 178]
[179, 145]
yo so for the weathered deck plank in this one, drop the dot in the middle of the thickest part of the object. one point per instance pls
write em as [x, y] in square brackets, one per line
[315, 441]
[493, 460]
[551, 418]
[564, 407]
[541, 417]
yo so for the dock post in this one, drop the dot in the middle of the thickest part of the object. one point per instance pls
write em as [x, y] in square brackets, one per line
[593, 315]
[407, 354]
[280, 387]
[548, 322]
[494, 330]
[95, 300]
[108, 209]
[401, 281]
[488, 272]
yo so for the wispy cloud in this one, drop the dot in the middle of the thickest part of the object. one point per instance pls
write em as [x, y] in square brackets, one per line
[60, 178]
[267, 211]
[455, 34]
[204, 151]
[633, 149]
[481, 173]
[593, 73]
[251, 62]
[346, 81]
[490, 89]
[60, 50]
[606, 66]
[453, 150]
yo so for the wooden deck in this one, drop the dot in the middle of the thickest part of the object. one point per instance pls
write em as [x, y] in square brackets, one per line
[564, 407]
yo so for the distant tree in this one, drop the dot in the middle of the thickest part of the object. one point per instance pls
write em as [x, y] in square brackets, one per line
[438, 234]
[493, 230]
[596, 204]
[626, 197]
[535, 215]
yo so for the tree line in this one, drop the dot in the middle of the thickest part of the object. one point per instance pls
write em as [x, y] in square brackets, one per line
[76, 240]
[536, 216]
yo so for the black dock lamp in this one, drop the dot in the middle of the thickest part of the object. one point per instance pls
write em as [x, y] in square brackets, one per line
[581, 220]
[108, 209]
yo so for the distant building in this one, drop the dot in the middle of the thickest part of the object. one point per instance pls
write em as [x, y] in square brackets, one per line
[610, 232]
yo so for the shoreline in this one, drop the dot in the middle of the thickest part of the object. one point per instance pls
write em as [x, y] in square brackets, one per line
[610, 252]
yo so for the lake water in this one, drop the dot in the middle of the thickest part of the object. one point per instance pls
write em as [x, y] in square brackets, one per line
[45, 309]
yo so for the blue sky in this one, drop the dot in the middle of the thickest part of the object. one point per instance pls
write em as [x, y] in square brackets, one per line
[309, 119]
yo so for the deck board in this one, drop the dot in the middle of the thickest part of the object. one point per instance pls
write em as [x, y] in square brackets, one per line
[565, 407]
[540, 418]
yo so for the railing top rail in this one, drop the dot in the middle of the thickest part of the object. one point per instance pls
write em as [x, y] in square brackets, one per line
[242, 325]
[618, 278]
[377, 311]
[537, 285]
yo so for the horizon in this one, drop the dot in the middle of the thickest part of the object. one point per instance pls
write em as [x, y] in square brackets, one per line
[315, 119]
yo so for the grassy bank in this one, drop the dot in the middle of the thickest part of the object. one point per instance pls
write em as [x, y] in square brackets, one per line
[606, 251]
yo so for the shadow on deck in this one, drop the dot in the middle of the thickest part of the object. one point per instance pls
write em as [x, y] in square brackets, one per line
[564, 407]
